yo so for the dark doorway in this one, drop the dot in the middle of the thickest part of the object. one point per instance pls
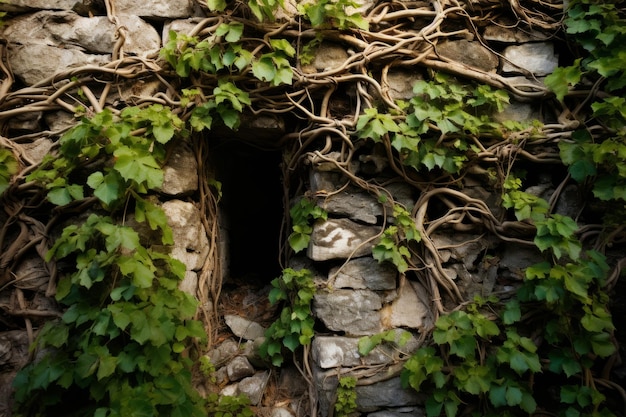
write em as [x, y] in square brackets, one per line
[252, 208]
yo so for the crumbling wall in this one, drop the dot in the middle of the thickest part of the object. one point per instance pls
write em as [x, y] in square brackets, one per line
[50, 43]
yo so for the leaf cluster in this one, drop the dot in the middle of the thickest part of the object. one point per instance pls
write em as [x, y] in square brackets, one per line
[120, 343]
[596, 154]
[438, 125]
[294, 327]
[303, 214]
[394, 244]
[346, 396]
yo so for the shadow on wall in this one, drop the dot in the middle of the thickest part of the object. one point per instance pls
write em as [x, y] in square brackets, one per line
[251, 208]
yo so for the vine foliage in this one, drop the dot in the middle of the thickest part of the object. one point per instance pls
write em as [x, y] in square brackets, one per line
[127, 337]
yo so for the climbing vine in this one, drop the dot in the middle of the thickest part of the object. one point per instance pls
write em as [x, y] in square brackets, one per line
[123, 340]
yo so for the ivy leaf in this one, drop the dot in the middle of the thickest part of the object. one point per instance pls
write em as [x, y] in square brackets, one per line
[284, 46]
[216, 5]
[106, 366]
[292, 341]
[86, 365]
[299, 241]
[264, 69]
[563, 78]
[512, 312]
[138, 166]
[59, 196]
[497, 395]
[106, 187]
[201, 116]
[602, 344]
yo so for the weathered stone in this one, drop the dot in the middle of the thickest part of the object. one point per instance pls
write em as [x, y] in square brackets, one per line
[520, 112]
[338, 351]
[501, 33]
[472, 54]
[401, 84]
[328, 56]
[400, 412]
[25, 121]
[36, 150]
[20, 6]
[355, 312]
[223, 353]
[537, 58]
[191, 245]
[59, 121]
[239, 368]
[331, 352]
[180, 26]
[340, 238]
[325, 181]
[68, 30]
[364, 273]
[170, 9]
[356, 205]
[410, 309]
[189, 284]
[465, 248]
[27, 64]
[253, 386]
[180, 173]
[244, 328]
[229, 390]
[281, 412]
[386, 394]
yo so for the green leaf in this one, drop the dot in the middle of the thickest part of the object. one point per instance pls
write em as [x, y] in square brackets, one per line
[284, 46]
[216, 5]
[563, 78]
[106, 367]
[138, 166]
[264, 69]
[497, 395]
[512, 312]
[299, 241]
[602, 344]
[59, 196]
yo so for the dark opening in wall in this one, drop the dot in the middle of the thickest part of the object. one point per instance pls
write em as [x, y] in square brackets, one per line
[251, 208]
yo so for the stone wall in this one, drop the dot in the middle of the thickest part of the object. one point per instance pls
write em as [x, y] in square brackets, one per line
[357, 296]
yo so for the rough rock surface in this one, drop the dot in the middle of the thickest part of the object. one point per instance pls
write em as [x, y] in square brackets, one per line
[244, 328]
[472, 54]
[411, 309]
[537, 58]
[27, 64]
[365, 273]
[191, 244]
[171, 9]
[67, 40]
[340, 238]
[353, 312]
[180, 173]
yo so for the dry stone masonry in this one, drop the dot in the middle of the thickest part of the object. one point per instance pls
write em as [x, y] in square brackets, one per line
[357, 296]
